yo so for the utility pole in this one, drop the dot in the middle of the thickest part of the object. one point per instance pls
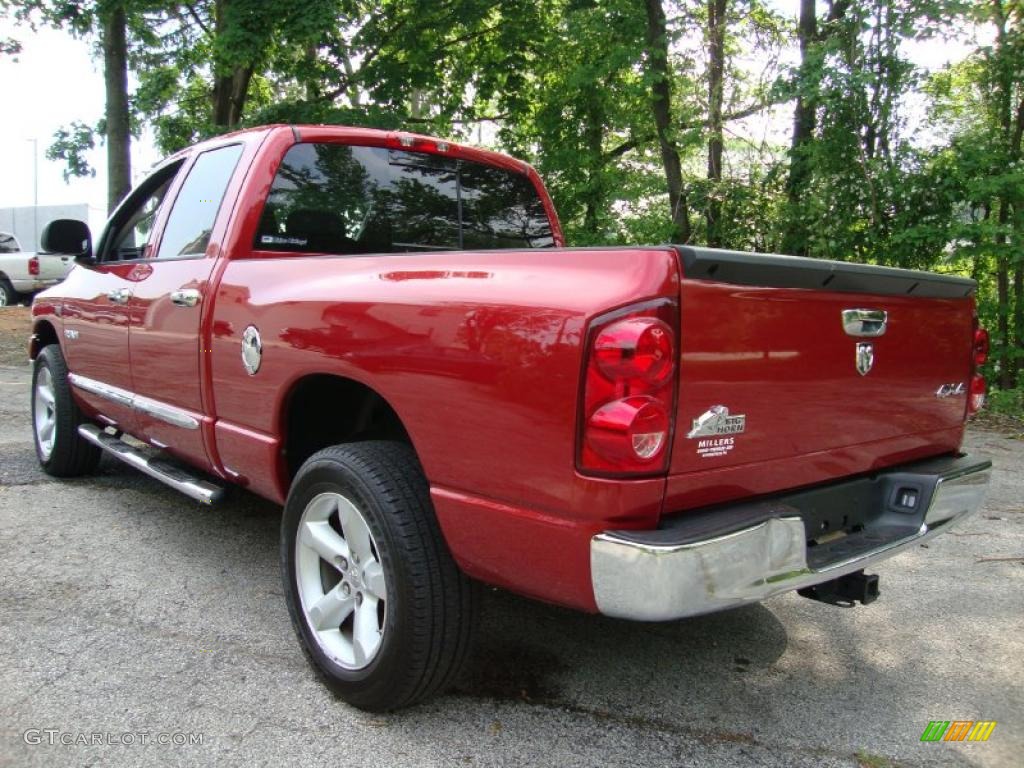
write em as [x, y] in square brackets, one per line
[35, 194]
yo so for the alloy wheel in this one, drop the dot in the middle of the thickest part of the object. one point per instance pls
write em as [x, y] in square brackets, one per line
[45, 412]
[341, 583]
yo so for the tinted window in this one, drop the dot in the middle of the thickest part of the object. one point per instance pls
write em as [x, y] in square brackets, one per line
[188, 228]
[8, 243]
[132, 239]
[501, 210]
[332, 198]
[131, 228]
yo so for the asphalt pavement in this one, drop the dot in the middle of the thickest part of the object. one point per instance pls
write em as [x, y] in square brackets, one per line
[140, 628]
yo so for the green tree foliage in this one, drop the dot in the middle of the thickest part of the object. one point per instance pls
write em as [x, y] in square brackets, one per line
[70, 145]
[980, 171]
[639, 114]
[10, 47]
[578, 114]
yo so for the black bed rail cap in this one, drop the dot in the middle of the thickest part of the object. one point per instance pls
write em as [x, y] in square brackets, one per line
[771, 270]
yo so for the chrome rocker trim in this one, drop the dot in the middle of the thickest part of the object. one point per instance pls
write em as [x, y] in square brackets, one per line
[656, 580]
[169, 414]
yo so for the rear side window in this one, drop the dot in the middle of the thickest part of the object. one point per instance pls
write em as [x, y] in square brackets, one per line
[8, 243]
[334, 198]
[190, 223]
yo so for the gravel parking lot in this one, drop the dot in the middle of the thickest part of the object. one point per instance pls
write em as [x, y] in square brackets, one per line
[128, 609]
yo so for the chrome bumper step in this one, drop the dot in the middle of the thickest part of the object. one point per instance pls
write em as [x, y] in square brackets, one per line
[721, 558]
[176, 477]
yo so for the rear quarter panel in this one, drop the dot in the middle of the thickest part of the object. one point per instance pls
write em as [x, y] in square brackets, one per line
[479, 354]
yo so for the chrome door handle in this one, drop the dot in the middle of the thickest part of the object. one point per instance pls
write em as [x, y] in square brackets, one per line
[185, 297]
[120, 296]
[865, 323]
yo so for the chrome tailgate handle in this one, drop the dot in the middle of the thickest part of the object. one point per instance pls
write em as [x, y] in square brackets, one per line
[120, 296]
[185, 297]
[865, 323]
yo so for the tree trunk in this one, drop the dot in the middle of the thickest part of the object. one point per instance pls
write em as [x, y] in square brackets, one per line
[118, 125]
[230, 83]
[595, 190]
[351, 88]
[419, 104]
[716, 95]
[1017, 359]
[661, 105]
[1003, 352]
[1012, 124]
[1003, 298]
[229, 92]
[312, 84]
[794, 240]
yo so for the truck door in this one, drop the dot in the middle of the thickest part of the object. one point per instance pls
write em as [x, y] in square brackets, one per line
[96, 308]
[168, 306]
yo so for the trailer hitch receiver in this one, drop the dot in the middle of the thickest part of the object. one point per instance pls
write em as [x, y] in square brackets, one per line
[846, 591]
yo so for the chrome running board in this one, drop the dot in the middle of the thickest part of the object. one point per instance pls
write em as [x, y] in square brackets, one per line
[179, 479]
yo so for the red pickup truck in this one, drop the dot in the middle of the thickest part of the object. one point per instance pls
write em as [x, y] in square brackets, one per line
[385, 333]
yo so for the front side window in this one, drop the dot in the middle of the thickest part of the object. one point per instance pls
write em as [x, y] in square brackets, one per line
[134, 226]
[190, 223]
[340, 199]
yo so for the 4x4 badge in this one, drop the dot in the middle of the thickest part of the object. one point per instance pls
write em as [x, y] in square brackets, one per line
[865, 357]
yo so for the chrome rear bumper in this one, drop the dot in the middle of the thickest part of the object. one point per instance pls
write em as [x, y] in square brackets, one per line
[688, 568]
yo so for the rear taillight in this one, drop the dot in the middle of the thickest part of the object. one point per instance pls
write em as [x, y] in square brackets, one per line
[635, 348]
[980, 347]
[33, 266]
[629, 386]
[976, 396]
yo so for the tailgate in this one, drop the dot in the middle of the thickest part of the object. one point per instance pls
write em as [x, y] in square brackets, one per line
[54, 267]
[771, 376]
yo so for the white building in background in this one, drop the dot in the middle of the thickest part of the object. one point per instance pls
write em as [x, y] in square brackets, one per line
[23, 221]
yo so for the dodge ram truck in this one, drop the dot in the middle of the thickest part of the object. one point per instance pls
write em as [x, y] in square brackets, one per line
[385, 333]
[24, 274]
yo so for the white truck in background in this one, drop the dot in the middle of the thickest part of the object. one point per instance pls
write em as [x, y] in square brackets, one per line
[24, 274]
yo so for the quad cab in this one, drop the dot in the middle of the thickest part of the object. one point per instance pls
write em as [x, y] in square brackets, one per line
[386, 334]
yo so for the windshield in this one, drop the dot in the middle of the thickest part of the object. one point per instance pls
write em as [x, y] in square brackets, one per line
[335, 198]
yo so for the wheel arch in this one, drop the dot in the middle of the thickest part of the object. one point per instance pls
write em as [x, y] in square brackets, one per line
[323, 409]
[43, 335]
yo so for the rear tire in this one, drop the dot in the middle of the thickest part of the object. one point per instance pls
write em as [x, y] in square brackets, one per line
[61, 451]
[8, 296]
[379, 606]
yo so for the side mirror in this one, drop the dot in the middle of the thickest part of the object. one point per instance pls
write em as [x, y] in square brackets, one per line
[68, 237]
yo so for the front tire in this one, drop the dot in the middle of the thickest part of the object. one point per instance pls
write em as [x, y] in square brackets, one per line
[8, 296]
[378, 604]
[61, 451]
